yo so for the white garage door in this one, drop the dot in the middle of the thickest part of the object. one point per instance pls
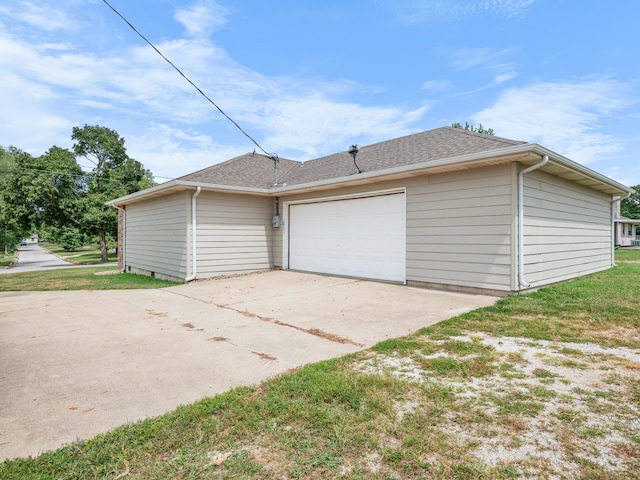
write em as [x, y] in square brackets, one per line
[359, 237]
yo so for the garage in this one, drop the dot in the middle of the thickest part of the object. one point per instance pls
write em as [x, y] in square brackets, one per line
[355, 237]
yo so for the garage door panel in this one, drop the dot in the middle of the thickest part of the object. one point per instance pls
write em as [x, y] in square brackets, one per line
[362, 237]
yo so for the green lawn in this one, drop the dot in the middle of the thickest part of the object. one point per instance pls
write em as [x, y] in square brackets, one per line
[5, 260]
[84, 278]
[87, 255]
[544, 385]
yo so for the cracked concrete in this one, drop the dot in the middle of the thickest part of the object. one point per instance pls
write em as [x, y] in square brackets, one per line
[77, 363]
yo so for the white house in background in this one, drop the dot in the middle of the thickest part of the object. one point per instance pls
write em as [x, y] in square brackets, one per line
[626, 230]
[446, 208]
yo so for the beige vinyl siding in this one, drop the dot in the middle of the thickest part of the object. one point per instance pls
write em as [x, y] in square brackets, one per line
[459, 229]
[459, 226]
[567, 229]
[234, 234]
[156, 236]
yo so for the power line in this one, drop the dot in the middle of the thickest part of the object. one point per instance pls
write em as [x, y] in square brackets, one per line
[273, 156]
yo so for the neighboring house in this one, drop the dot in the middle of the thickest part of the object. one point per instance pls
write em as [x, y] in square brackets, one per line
[626, 229]
[446, 208]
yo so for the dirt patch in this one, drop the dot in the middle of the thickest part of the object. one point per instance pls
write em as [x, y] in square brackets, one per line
[311, 331]
[265, 356]
[543, 407]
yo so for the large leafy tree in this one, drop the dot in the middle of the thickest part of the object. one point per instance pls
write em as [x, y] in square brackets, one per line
[53, 193]
[40, 192]
[11, 230]
[630, 207]
[114, 174]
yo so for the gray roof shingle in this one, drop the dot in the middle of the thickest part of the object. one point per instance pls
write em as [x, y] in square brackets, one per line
[256, 171]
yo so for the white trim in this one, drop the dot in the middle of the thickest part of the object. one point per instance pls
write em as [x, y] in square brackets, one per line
[375, 193]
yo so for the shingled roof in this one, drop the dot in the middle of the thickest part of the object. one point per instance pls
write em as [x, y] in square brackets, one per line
[442, 149]
[250, 170]
[256, 171]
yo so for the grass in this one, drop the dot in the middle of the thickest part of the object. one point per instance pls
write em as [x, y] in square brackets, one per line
[85, 278]
[627, 255]
[600, 308]
[86, 255]
[493, 394]
[5, 260]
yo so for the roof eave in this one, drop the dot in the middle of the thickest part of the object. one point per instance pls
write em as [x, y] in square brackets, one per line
[615, 188]
[526, 152]
[179, 185]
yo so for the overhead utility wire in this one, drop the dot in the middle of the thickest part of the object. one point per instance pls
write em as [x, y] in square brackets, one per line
[273, 156]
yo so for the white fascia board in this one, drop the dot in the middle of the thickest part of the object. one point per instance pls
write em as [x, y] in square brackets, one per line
[566, 162]
[181, 185]
[141, 193]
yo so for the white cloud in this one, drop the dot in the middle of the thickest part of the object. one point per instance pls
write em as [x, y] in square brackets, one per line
[50, 87]
[562, 116]
[503, 77]
[436, 85]
[174, 151]
[202, 18]
[415, 11]
[314, 126]
[39, 16]
[481, 58]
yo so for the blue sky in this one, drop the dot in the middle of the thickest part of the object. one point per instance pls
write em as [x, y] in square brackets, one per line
[311, 78]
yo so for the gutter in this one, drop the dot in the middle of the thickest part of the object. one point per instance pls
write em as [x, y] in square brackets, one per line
[194, 245]
[521, 281]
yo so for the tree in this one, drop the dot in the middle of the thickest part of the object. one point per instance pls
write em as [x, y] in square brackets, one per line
[52, 192]
[40, 190]
[630, 206]
[471, 128]
[114, 174]
[11, 231]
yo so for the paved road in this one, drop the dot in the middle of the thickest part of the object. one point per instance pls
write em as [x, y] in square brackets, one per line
[74, 364]
[33, 258]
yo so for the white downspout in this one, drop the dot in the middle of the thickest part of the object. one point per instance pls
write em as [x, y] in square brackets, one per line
[194, 221]
[522, 282]
[613, 226]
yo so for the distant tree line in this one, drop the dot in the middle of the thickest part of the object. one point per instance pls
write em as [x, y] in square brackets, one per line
[62, 201]
[630, 207]
[471, 128]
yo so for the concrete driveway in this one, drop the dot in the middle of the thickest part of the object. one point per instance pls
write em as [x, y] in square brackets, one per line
[75, 364]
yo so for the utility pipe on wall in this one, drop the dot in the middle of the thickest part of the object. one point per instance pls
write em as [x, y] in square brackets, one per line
[522, 282]
[194, 221]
